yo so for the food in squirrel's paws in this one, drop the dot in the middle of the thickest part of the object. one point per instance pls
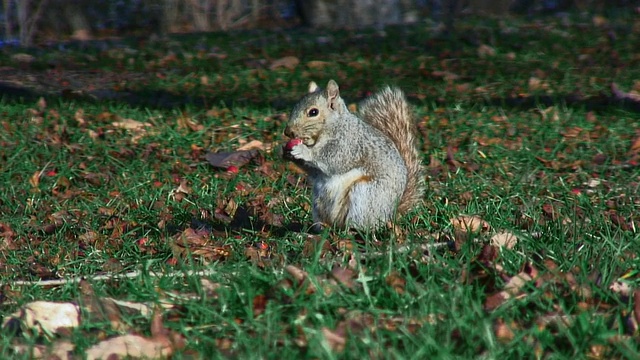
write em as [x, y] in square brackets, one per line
[293, 142]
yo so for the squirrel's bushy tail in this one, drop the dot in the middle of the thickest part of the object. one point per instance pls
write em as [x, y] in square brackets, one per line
[389, 112]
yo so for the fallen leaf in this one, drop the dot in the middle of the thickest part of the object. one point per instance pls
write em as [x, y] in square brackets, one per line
[446, 75]
[198, 245]
[486, 51]
[23, 58]
[259, 304]
[45, 316]
[79, 117]
[344, 276]
[622, 95]
[130, 124]
[335, 341]
[34, 180]
[236, 158]
[252, 145]
[397, 282]
[503, 332]
[504, 239]
[288, 62]
[535, 83]
[41, 104]
[62, 350]
[160, 345]
[317, 64]
[130, 346]
[636, 308]
[599, 21]
[572, 132]
[179, 193]
[471, 224]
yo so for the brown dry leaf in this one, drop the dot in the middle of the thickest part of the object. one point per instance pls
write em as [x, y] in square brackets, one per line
[317, 64]
[446, 75]
[301, 277]
[471, 224]
[571, 132]
[503, 332]
[185, 121]
[181, 192]
[515, 284]
[23, 58]
[335, 341]
[636, 308]
[600, 21]
[512, 288]
[622, 95]
[210, 288]
[504, 239]
[485, 51]
[224, 160]
[297, 273]
[344, 276]
[252, 145]
[34, 180]
[549, 113]
[259, 304]
[79, 117]
[160, 345]
[288, 62]
[101, 309]
[62, 350]
[130, 124]
[635, 145]
[198, 244]
[41, 104]
[8, 236]
[535, 83]
[130, 346]
[397, 282]
[45, 316]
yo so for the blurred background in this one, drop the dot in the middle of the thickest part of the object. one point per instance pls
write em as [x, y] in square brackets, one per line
[28, 22]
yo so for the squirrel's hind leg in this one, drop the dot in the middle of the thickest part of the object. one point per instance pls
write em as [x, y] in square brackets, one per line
[372, 204]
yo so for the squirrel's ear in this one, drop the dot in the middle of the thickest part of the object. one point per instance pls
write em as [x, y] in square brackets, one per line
[333, 93]
[313, 87]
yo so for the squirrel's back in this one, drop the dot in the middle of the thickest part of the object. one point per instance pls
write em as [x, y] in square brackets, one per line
[389, 112]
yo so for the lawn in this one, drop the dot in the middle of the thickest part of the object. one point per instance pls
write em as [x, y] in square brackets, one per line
[526, 245]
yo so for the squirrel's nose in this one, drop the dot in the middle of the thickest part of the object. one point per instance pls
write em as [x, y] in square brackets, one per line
[288, 132]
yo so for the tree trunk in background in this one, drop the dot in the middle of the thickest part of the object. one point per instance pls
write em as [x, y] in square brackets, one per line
[28, 16]
[355, 13]
[76, 18]
[8, 20]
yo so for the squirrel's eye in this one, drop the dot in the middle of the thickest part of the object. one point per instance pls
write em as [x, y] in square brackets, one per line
[312, 112]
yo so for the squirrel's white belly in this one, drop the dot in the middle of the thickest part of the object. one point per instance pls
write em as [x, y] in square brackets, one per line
[331, 195]
[338, 188]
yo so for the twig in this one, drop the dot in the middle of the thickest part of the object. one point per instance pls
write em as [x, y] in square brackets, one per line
[129, 275]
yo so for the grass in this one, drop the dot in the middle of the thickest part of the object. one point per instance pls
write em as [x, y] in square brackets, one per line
[80, 196]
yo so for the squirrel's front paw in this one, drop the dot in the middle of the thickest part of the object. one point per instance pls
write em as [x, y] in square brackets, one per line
[301, 152]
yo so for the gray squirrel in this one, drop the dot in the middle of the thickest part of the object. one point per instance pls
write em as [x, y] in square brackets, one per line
[364, 168]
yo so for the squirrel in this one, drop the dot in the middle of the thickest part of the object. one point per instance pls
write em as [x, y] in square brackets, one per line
[364, 168]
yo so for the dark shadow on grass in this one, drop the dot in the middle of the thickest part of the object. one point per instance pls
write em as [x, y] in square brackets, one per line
[166, 100]
[155, 99]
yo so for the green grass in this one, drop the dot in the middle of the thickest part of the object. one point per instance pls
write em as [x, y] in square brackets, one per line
[102, 189]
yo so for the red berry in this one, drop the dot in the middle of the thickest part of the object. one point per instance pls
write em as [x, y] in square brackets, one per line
[232, 169]
[292, 143]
